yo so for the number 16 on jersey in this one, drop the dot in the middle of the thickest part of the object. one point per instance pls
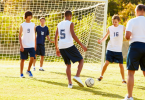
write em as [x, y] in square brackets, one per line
[62, 34]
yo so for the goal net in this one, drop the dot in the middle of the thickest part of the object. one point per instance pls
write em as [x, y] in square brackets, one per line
[89, 18]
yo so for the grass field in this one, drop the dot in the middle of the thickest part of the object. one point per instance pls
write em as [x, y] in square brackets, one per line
[52, 85]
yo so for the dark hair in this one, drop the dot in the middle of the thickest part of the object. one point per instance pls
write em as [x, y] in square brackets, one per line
[28, 13]
[116, 17]
[68, 13]
[140, 7]
[42, 18]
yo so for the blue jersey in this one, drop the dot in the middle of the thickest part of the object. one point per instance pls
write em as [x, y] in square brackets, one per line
[42, 32]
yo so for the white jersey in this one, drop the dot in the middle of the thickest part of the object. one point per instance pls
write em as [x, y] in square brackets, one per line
[65, 37]
[28, 38]
[116, 38]
[137, 27]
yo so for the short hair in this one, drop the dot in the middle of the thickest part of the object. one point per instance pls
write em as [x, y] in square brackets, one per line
[116, 17]
[140, 7]
[42, 18]
[68, 13]
[28, 13]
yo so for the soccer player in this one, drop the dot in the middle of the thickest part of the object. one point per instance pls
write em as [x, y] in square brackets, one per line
[114, 47]
[69, 52]
[135, 33]
[42, 32]
[27, 43]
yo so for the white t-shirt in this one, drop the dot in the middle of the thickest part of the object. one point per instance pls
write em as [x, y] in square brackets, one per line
[65, 37]
[28, 38]
[137, 27]
[116, 38]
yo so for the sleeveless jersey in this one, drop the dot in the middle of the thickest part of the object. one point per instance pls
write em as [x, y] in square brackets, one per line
[28, 38]
[65, 37]
[116, 38]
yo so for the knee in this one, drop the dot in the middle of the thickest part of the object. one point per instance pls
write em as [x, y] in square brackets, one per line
[107, 62]
[121, 65]
[131, 73]
[81, 61]
[22, 60]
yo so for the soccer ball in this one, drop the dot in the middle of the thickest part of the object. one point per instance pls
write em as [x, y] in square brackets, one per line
[89, 82]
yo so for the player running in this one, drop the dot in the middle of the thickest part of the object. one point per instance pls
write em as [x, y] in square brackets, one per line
[42, 32]
[27, 43]
[69, 52]
[114, 47]
[135, 33]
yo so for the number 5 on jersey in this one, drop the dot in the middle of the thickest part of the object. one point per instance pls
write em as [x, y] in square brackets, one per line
[62, 34]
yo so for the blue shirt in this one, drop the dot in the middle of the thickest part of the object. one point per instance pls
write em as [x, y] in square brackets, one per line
[42, 32]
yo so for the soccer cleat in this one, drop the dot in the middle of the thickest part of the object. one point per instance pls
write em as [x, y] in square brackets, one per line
[41, 70]
[126, 98]
[22, 76]
[124, 82]
[29, 73]
[70, 86]
[100, 78]
[78, 81]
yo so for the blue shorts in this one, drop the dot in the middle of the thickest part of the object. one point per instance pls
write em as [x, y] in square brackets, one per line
[71, 54]
[24, 54]
[136, 56]
[40, 50]
[116, 57]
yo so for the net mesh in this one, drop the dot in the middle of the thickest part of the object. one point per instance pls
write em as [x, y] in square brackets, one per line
[88, 18]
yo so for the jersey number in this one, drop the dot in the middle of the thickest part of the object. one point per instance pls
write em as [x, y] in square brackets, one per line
[62, 34]
[116, 34]
[28, 30]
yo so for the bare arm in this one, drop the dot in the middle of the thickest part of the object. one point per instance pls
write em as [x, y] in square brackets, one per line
[104, 38]
[75, 37]
[56, 43]
[49, 39]
[124, 29]
[20, 40]
[35, 38]
[127, 35]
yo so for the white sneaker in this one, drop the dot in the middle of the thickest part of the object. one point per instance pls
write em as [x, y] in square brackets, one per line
[70, 86]
[34, 69]
[79, 81]
[126, 98]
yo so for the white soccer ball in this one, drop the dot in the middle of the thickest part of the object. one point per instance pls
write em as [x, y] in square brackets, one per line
[89, 82]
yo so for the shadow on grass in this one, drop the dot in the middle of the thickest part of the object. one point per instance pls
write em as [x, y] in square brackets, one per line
[71, 74]
[92, 90]
[140, 87]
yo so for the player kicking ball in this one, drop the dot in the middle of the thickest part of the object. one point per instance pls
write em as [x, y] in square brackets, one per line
[65, 31]
[114, 47]
[42, 32]
[27, 43]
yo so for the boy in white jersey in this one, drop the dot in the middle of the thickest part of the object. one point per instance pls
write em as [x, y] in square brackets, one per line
[69, 52]
[27, 39]
[135, 33]
[114, 47]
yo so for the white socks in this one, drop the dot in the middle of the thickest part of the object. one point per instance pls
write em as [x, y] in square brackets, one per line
[40, 68]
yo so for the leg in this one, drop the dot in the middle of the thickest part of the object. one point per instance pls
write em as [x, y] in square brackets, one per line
[104, 67]
[34, 62]
[41, 61]
[144, 73]
[30, 63]
[80, 66]
[122, 71]
[68, 72]
[22, 66]
[130, 82]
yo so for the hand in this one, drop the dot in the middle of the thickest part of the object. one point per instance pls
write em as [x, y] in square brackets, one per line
[21, 49]
[58, 52]
[52, 41]
[99, 41]
[84, 48]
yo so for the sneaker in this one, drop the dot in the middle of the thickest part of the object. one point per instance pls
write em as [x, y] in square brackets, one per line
[70, 86]
[124, 82]
[79, 81]
[126, 98]
[29, 73]
[100, 78]
[34, 69]
[22, 76]
[41, 70]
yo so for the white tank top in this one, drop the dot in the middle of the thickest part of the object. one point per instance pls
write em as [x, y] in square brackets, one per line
[65, 37]
[28, 38]
[116, 38]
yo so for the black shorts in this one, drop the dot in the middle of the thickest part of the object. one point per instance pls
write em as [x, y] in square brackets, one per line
[136, 56]
[24, 54]
[116, 57]
[40, 50]
[71, 54]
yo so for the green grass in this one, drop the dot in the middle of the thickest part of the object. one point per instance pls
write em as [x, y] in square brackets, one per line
[52, 85]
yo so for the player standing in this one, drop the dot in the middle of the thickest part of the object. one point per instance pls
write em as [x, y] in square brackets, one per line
[69, 52]
[27, 43]
[135, 33]
[42, 32]
[114, 47]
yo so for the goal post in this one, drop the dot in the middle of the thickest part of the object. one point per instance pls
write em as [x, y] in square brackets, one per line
[89, 18]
